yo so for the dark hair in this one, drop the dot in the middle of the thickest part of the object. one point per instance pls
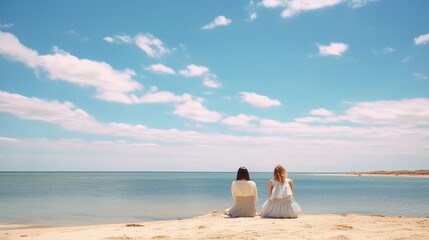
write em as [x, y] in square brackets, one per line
[242, 173]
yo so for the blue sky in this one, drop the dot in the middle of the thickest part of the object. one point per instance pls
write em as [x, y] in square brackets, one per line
[317, 85]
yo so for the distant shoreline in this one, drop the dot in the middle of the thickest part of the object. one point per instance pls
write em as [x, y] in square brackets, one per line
[401, 173]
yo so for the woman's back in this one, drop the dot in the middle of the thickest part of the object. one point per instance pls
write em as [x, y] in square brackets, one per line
[243, 188]
[281, 190]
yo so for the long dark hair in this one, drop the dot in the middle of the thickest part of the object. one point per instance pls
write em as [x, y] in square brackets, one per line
[242, 173]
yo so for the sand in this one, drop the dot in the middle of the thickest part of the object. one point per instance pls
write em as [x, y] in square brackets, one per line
[218, 226]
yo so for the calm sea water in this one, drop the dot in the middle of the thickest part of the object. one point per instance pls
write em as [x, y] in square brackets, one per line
[66, 198]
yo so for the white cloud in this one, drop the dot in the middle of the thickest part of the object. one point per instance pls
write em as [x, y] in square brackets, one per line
[252, 11]
[111, 84]
[369, 138]
[253, 16]
[12, 48]
[296, 6]
[335, 49]
[211, 82]
[5, 25]
[7, 139]
[194, 71]
[412, 112]
[109, 39]
[406, 59]
[151, 45]
[164, 97]
[161, 68]
[81, 38]
[257, 100]
[119, 39]
[240, 121]
[273, 3]
[359, 3]
[196, 111]
[218, 21]
[420, 75]
[408, 111]
[322, 112]
[64, 114]
[422, 39]
[70, 117]
[388, 50]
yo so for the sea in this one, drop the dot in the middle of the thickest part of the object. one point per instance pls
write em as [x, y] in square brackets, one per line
[79, 198]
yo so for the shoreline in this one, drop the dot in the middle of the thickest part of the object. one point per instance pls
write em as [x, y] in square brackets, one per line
[402, 173]
[216, 225]
[369, 175]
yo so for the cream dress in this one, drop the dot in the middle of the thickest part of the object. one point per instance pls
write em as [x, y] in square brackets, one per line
[245, 196]
[281, 203]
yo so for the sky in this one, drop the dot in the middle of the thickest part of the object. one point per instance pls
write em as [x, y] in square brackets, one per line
[314, 85]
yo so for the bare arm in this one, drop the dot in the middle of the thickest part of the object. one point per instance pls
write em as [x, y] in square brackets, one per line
[232, 191]
[255, 192]
[291, 187]
[270, 188]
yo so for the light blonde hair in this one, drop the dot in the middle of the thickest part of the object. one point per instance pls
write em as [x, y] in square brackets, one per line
[280, 174]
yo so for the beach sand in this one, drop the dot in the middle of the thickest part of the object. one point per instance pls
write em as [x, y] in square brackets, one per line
[218, 226]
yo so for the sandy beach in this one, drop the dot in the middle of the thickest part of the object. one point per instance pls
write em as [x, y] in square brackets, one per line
[218, 226]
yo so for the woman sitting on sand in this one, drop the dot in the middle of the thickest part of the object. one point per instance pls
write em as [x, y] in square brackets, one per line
[280, 203]
[245, 195]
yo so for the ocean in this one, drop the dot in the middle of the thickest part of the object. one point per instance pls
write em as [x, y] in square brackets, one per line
[75, 198]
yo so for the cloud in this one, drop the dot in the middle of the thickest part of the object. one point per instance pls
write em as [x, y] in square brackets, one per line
[335, 49]
[252, 11]
[211, 82]
[359, 3]
[77, 35]
[321, 112]
[151, 45]
[296, 6]
[259, 101]
[273, 3]
[164, 97]
[252, 16]
[408, 111]
[218, 21]
[420, 75]
[267, 136]
[240, 121]
[69, 117]
[5, 25]
[64, 114]
[161, 68]
[12, 48]
[9, 140]
[422, 39]
[194, 71]
[412, 112]
[119, 39]
[388, 50]
[111, 84]
[194, 110]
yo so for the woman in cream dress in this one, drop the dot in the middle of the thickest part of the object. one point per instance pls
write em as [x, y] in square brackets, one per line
[245, 195]
[280, 191]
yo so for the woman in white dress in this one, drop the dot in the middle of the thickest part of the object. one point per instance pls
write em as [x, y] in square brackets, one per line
[245, 195]
[280, 203]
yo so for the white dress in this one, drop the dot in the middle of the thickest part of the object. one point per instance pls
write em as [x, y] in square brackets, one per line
[281, 203]
[245, 195]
